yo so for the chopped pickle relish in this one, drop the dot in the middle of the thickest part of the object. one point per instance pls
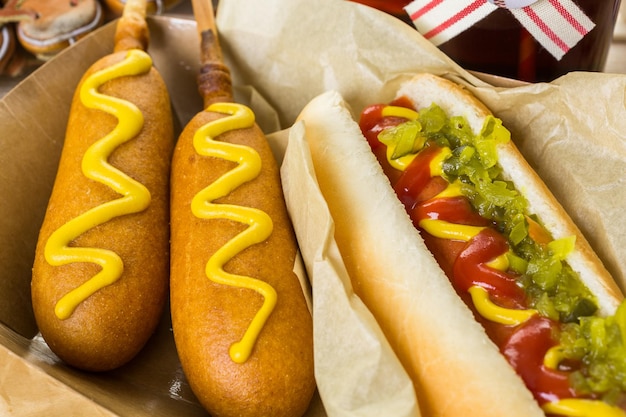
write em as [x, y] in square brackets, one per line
[552, 287]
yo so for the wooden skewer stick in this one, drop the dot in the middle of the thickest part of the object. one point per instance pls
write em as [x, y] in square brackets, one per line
[214, 81]
[131, 31]
[204, 15]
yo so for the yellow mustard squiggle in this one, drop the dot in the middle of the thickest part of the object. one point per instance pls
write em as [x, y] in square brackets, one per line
[455, 231]
[259, 223]
[95, 166]
[570, 407]
[575, 407]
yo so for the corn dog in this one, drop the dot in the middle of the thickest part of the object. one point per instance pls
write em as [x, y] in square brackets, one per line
[241, 324]
[100, 275]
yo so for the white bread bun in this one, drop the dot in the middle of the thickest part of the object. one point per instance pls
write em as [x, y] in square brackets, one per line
[425, 89]
[456, 368]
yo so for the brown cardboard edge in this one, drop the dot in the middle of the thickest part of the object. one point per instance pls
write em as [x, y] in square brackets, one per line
[53, 398]
[153, 384]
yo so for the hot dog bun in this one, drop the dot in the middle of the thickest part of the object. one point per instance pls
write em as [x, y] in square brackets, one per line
[54, 25]
[455, 367]
[109, 327]
[425, 89]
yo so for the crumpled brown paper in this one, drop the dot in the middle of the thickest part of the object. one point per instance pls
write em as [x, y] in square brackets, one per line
[565, 129]
[571, 130]
[284, 53]
[356, 370]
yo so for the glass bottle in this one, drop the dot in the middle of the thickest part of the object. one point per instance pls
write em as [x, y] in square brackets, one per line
[499, 45]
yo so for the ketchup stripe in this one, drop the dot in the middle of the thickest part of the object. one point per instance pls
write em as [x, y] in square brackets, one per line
[524, 346]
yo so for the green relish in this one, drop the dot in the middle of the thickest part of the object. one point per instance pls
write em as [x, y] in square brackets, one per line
[553, 288]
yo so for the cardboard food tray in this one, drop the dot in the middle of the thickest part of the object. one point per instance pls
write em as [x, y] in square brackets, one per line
[33, 116]
[571, 130]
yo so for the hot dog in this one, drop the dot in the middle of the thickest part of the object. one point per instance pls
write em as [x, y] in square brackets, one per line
[100, 274]
[489, 294]
[241, 324]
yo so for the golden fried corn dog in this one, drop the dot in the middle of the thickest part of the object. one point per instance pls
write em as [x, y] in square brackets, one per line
[100, 275]
[240, 319]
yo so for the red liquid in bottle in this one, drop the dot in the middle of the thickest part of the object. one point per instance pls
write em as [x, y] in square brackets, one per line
[499, 45]
[392, 7]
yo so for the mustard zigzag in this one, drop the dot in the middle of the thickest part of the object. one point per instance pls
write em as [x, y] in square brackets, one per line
[259, 223]
[95, 166]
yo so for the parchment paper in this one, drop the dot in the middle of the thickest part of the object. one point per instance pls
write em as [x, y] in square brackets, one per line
[356, 370]
[572, 131]
[33, 116]
[285, 52]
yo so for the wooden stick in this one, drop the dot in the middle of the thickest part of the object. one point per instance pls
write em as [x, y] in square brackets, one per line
[135, 9]
[205, 15]
[132, 29]
[214, 81]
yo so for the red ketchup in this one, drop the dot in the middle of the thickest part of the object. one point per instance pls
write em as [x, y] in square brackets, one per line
[525, 350]
[466, 262]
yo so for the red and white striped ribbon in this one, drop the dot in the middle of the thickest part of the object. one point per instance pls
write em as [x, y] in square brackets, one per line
[558, 25]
